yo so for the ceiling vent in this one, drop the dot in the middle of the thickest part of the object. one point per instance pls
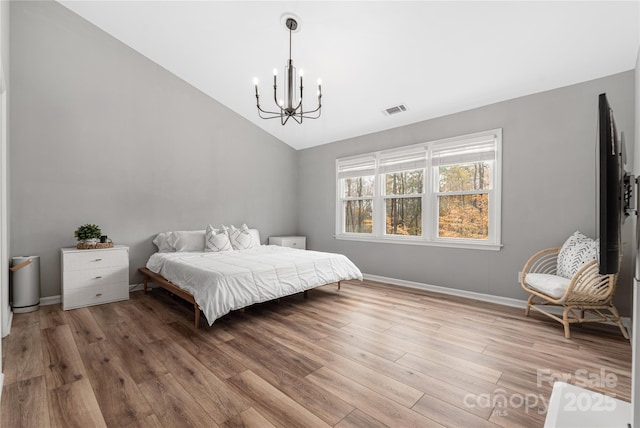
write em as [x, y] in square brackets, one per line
[400, 108]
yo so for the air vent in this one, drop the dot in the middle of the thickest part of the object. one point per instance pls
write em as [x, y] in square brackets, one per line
[394, 110]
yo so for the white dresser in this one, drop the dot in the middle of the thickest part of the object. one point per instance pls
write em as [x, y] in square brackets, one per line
[299, 242]
[92, 277]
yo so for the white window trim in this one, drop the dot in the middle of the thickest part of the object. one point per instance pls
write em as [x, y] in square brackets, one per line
[429, 199]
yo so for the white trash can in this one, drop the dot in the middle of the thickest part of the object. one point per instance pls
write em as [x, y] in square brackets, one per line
[25, 283]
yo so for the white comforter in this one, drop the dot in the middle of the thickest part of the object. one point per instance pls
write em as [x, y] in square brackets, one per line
[230, 280]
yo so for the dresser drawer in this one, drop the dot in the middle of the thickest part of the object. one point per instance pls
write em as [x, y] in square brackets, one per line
[90, 277]
[94, 295]
[89, 260]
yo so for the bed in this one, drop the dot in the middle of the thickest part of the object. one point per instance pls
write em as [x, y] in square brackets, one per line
[220, 282]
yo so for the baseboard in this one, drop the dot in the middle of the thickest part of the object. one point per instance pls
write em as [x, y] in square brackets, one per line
[50, 300]
[626, 321]
[140, 287]
[10, 322]
[490, 298]
[506, 301]
[1, 385]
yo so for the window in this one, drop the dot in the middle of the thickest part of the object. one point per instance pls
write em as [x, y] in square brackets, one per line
[403, 181]
[444, 192]
[357, 189]
[404, 191]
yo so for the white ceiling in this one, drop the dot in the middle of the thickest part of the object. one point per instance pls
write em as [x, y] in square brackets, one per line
[436, 57]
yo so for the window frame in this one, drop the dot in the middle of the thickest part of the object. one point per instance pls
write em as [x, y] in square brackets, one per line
[430, 215]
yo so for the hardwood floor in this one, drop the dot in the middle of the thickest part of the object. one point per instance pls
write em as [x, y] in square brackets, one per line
[369, 355]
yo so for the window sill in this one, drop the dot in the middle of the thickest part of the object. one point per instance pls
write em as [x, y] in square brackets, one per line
[413, 241]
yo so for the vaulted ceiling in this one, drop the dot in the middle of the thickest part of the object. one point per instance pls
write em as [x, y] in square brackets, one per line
[436, 58]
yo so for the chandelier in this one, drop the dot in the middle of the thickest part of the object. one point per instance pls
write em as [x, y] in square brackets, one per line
[290, 105]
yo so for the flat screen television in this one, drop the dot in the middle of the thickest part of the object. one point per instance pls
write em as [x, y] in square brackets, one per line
[610, 189]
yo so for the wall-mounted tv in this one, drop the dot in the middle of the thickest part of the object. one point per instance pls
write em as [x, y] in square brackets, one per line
[611, 190]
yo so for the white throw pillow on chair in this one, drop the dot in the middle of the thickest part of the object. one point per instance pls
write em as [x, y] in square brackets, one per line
[577, 251]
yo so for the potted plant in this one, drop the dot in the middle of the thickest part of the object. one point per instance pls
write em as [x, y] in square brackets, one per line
[88, 234]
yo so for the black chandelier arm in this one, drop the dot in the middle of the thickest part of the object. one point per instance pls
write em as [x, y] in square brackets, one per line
[303, 114]
[261, 111]
[296, 119]
[317, 108]
[275, 93]
[275, 116]
[283, 121]
[310, 117]
[285, 117]
[313, 111]
[300, 91]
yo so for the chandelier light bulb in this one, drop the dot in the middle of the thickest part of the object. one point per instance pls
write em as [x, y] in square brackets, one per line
[281, 102]
[255, 81]
[275, 71]
[301, 72]
[319, 82]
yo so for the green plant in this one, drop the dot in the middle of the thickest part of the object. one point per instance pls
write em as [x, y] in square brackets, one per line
[87, 231]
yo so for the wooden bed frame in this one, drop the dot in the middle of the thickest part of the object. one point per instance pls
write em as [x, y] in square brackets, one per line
[183, 294]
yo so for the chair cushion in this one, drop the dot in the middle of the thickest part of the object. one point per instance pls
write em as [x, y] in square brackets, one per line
[551, 285]
[575, 253]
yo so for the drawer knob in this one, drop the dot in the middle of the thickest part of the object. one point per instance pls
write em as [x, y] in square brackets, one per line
[97, 260]
[99, 294]
[97, 277]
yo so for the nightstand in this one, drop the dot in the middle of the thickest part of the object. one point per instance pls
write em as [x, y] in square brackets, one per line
[299, 242]
[92, 277]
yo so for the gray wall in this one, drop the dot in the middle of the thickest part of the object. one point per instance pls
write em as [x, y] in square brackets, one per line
[100, 134]
[548, 187]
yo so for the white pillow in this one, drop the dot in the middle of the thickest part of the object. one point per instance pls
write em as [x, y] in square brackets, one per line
[255, 233]
[551, 285]
[243, 238]
[191, 240]
[216, 240]
[577, 251]
[162, 242]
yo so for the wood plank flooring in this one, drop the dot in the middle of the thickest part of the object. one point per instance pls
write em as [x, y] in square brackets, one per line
[369, 355]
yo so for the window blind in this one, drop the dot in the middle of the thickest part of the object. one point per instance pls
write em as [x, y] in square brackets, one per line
[356, 167]
[476, 151]
[406, 160]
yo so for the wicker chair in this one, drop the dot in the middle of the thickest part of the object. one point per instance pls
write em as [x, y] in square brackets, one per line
[587, 298]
